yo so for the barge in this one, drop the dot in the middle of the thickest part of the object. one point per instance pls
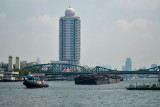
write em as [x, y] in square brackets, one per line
[96, 79]
[144, 87]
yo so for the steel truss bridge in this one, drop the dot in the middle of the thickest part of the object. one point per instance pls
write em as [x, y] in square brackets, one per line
[68, 69]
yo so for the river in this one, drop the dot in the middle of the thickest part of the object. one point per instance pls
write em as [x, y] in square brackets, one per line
[67, 94]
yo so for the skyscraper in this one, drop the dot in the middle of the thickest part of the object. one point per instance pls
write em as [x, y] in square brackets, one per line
[17, 63]
[38, 61]
[69, 37]
[128, 64]
[10, 63]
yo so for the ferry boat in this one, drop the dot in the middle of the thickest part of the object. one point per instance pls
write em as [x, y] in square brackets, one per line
[34, 82]
[10, 77]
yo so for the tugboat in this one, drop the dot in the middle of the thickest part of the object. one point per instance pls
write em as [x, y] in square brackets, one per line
[34, 82]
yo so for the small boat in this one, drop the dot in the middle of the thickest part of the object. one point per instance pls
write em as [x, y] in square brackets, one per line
[144, 87]
[34, 82]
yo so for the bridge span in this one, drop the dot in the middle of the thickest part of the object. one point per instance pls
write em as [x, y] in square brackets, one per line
[68, 69]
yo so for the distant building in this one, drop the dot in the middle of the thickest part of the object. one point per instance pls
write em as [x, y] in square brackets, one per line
[32, 63]
[10, 63]
[144, 67]
[123, 68]
[4, 65]
[17, 63]
[38, 61]
[106, 66]
[128, 64]
[86, 66]
[59, 62]
[153, 66]
[69, 37]
[23, 64]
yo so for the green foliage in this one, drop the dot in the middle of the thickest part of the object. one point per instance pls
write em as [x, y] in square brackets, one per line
[23, 72]
[26, 71]
[17, 70]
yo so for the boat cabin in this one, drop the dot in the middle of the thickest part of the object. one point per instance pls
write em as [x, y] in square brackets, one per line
[33, 79]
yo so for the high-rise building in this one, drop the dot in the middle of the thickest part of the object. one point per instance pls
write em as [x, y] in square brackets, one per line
[10, 63]
[69, 37]
[128, 64]
[38, 61]
[17, 63]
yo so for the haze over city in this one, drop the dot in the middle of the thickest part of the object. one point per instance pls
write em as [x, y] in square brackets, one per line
[111, 30]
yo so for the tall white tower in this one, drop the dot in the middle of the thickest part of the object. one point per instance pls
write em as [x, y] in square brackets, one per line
[69, 37]
[17, 62]
[10, 63]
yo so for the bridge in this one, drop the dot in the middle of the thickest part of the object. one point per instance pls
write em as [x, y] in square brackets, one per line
[68, 69]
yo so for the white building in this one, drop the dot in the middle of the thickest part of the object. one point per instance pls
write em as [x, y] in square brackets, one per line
[17, 63]
[69, 37]
[10, 75]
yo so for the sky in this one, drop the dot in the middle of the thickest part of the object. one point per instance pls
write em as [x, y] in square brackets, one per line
[111, 31]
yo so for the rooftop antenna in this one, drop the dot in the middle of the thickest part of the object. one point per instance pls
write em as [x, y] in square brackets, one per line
[69, 4]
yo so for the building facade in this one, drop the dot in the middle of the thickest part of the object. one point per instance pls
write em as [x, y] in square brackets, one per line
[69, 37]
[154, 67]
[17, 63]
[128, 64]
[10, 63]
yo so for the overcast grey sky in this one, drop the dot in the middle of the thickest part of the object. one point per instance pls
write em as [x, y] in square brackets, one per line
[111, 30]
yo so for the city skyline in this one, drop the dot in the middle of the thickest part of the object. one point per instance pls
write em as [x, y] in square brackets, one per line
[111, 31]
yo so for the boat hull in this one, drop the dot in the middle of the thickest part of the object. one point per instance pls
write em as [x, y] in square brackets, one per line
[91, 81]
[11, 80]
[143, 88]
[95, 79]
[29, 84]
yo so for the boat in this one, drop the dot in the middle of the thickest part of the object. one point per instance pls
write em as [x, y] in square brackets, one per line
[10, 77]
[95, 79]
[34, 82]
[143, 87]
